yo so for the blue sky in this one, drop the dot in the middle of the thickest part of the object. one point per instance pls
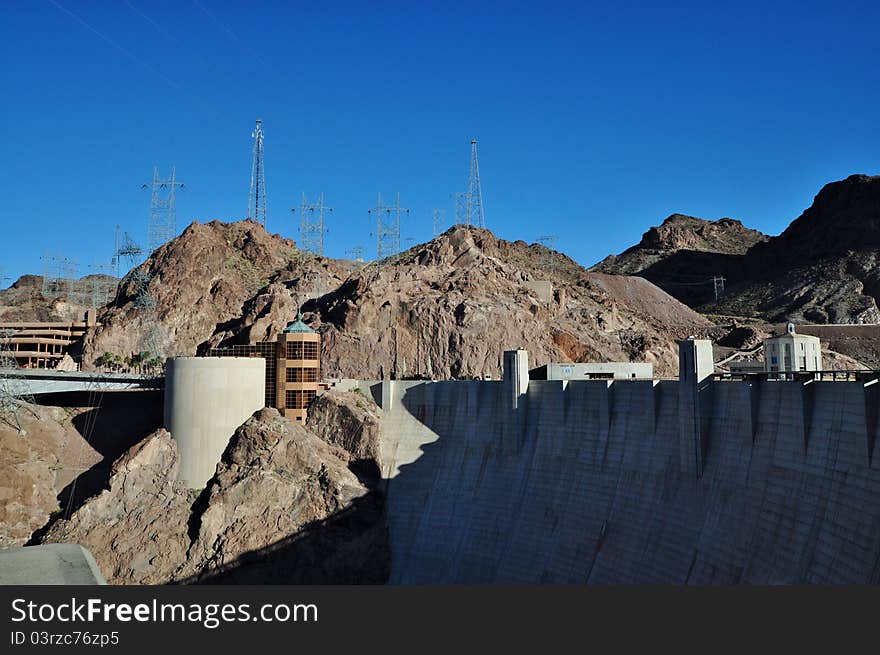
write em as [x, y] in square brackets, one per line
[595, 120]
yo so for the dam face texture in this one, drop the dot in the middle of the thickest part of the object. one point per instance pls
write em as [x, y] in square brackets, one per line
[686, 482]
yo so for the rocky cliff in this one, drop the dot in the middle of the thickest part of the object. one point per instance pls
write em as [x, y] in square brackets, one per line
[824, 267]
[821, 269]
[446, 308]
[281, 507]
[684, 253]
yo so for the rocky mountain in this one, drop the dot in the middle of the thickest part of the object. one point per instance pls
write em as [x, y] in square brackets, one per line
[684, 253]
[282, 507]
[821, 269]
[24, 300]
[824, 267]
[199, 282]
[446, 308]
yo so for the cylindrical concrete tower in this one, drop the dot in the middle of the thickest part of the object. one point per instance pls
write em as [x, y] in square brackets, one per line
[206, 399]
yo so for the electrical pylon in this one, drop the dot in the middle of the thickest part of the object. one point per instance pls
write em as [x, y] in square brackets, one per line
[161, 226]
[311, 227]
[387, 228]
[474, 212]
[257, 199]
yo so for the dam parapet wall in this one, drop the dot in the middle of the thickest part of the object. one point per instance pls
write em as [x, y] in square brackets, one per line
[663, 481]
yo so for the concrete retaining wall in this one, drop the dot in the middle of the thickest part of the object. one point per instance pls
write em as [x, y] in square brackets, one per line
[591, 481]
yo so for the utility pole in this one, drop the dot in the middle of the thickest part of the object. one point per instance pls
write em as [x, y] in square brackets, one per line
[257, 199]
[548, 259]
[161, 226]
[718, 284]
[387, 228]
[311, 228]
[439, 218]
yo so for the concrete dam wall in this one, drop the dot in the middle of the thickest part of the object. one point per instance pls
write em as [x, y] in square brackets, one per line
[694, 482]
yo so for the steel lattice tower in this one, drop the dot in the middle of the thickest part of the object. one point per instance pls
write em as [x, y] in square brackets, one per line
[438, 217]
[461, 206]
[257, 198]
[474, 211]
[387, 228]
[161, 227]
[548, 259]
[126, 249]
[311, 228]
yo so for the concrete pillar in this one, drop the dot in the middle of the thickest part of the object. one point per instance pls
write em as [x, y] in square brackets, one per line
[696, 365]
[516, 375]
[206, 399]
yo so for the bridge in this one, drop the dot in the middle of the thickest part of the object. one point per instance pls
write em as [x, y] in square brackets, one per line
[23, 382]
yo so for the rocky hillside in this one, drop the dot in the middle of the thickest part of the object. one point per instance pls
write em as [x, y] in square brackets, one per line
[200, 282]
[821, 269]
[24, 300]
[446, 308]
[281, 508]
[684, 253]
[680, 232]
[824, 267]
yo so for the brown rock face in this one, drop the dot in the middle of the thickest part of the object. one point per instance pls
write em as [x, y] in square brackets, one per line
[281, 508]
[136, 529]
[200, 281]
[684, 253]
[24, 300]
[349, 422]
[446, 309]
[32, 469]
[822, 269]
[449, 308]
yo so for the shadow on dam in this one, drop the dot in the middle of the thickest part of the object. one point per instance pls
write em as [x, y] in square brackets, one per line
[594, 483]
[589, 483]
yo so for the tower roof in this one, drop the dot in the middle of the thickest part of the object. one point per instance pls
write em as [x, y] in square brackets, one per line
[298, 326]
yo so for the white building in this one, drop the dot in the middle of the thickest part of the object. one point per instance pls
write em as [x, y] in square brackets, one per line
[792, 352]
[594, 371]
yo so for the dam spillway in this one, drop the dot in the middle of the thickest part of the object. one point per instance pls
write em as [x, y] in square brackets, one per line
[723, 482]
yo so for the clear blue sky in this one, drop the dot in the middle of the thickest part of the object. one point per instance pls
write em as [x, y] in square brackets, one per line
[595, 120]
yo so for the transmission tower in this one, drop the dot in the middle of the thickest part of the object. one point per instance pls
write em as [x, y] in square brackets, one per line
[161, 227]
[461, 204]
[439, 218]
[311, 227]
[58, 275]
[99, 291]
[356, 253]
[387, 228]
[718, 284]
[474, 215]
[126, 249]
[257, 198]
[548, 259]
